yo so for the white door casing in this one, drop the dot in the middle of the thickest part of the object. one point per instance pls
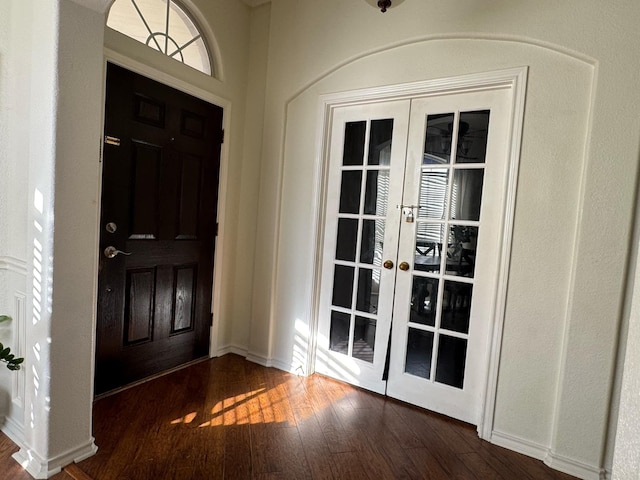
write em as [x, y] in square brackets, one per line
[484, 349]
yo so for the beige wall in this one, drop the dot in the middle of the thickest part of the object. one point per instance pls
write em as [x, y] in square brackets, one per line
[55, 159]
[626, 462]
[52, 68]
[573, 214]
[576, 187]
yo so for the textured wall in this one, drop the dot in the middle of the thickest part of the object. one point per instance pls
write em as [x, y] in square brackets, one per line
[52, 146]
[580, 150]
[577, 183]
[626, 462]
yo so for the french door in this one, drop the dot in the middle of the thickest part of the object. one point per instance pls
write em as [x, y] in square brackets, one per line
[414, 215]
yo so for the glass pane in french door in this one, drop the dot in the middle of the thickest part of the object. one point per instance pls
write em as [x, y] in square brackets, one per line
[367, 153]
[445, 238]
[364, 196]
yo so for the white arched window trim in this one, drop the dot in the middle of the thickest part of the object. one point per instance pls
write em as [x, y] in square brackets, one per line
[169, 26]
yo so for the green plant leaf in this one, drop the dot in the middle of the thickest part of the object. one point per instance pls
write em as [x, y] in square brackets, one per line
[18, 360]
[5, 352]
[4, 318]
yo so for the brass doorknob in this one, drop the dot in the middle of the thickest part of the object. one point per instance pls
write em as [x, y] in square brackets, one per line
[388, 264]
[404, 266]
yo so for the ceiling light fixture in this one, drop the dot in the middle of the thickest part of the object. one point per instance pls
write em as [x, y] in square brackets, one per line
[384, 5]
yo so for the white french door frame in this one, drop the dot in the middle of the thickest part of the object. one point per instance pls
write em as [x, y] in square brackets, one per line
[513, 79]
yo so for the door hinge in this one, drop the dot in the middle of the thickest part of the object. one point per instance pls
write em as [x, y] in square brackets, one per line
[215, 232]
[222, 136]
[112, 140]
[211, 319]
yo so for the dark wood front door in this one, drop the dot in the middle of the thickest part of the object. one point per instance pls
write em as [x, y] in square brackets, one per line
[157, 229]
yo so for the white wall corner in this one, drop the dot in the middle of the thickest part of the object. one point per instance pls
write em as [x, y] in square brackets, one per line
[626, 456]
[295, 368]
[13, 430]
[34, 465]
[231, 348]
[259, 359]
[39, 468]
[12, 334]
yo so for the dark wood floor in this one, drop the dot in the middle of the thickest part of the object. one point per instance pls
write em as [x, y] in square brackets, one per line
[230, 419]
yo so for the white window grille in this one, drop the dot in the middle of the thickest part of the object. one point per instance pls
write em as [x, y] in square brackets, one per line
[164, 26]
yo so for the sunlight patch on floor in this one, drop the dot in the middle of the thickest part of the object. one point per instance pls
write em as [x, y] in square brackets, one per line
[260, 406]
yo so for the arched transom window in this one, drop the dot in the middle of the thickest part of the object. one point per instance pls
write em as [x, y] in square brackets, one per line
[164, 26]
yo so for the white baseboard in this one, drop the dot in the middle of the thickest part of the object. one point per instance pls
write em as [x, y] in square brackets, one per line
[243, 352]
[526, 447]
[288, 367]
[551, 459]
[259, 359]
[13, 430]
[39, 468]
[275, 363]
[235, 349]
[575, 468]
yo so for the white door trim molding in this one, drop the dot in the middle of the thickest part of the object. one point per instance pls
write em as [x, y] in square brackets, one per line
[514, 79]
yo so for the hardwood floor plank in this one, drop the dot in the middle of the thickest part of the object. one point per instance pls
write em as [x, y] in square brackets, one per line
[400, 461]
[279, 400]
[373, 461]
[76, 473]
[453, 433]
[499, 459]
[292, 459]
[427, 464]
[278, 449]
[347, 466]
[314, 444]
[12, 470]
[262, 459]
[229, 419]
[481, 469]
[237, 450]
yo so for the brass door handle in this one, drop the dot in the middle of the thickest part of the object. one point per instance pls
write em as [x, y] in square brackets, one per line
[404, 266]
[388, 264]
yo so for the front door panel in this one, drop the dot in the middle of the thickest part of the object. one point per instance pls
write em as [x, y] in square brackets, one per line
[159, 203]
